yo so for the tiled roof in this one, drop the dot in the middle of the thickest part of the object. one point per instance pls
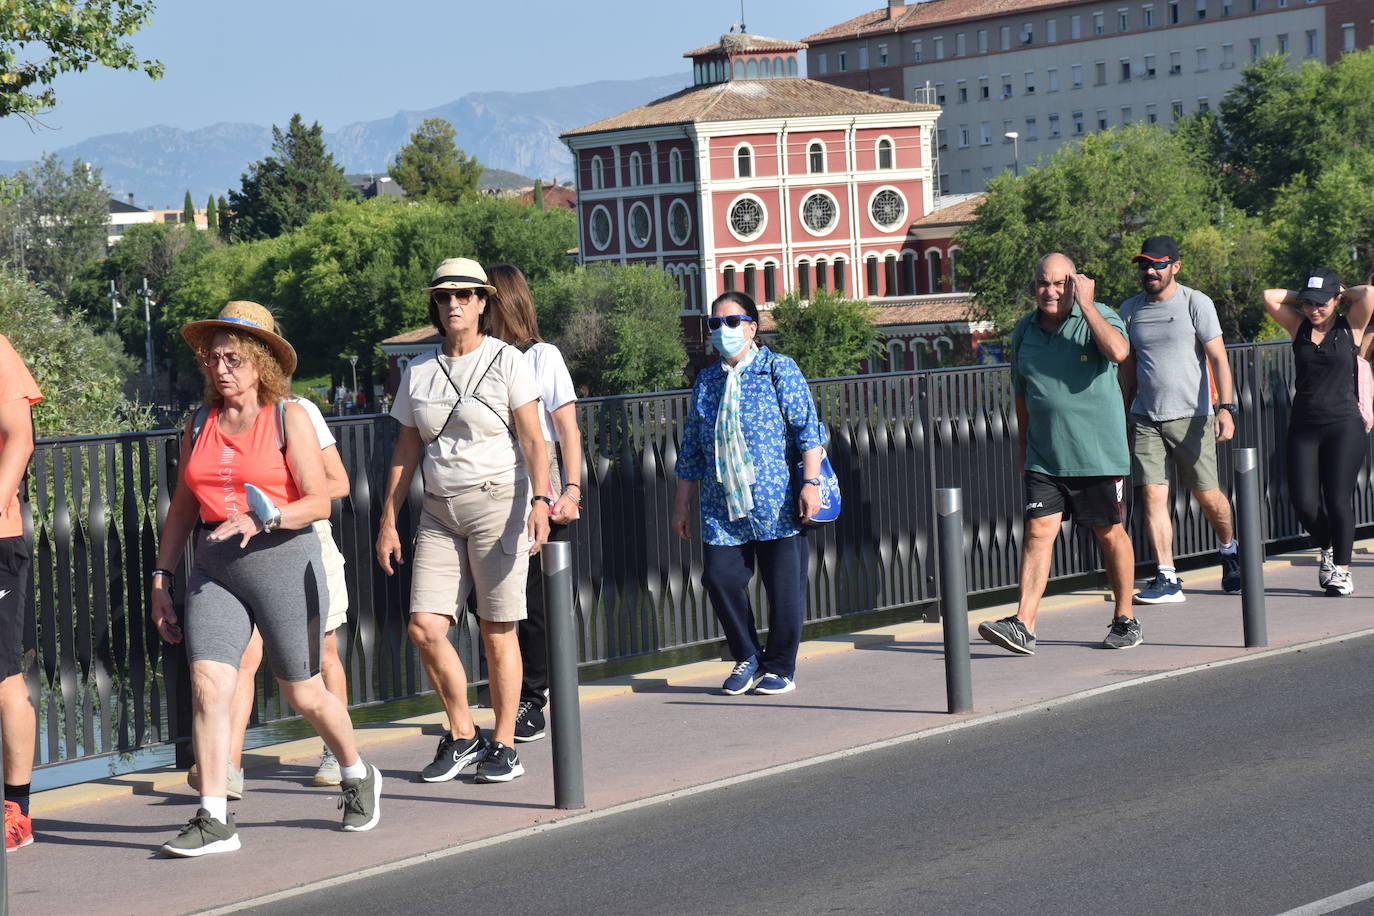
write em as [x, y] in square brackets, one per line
[956, 214]
[940, 309]
[923, 15]
[744, 99]
[741, 44]
[424, 335]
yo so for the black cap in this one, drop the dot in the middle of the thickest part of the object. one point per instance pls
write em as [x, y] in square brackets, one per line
[1158, 249]
[1320, 284]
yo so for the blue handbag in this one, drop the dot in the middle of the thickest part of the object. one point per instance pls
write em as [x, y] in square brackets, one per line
[830, 483]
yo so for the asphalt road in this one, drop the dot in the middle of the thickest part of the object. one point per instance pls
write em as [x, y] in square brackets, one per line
[1238, 790]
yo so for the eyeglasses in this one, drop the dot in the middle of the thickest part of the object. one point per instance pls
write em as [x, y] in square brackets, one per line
[730, 321]
[210, 359]
[441, 296]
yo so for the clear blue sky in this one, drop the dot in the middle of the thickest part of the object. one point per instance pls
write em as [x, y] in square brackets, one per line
[342, 61]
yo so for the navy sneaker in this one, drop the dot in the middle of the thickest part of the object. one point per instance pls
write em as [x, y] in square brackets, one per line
[1009, 633]
[501, 764]
[1161, 591]
[743, 678]
[771, 684]
[453, 755]
[529, 721]
[1230, 573]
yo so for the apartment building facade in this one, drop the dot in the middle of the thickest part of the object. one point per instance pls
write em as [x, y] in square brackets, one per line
[1018, 78]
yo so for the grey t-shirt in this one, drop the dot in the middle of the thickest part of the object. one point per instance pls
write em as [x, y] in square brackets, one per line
[1170, 363]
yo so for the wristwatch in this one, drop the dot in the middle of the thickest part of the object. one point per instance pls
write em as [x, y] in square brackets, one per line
[812, 480]
[1235, 411]
[541, 499]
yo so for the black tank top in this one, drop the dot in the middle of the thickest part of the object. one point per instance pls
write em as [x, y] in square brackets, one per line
[1325, 383]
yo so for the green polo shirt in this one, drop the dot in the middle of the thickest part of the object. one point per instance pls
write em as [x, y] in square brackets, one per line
[1077, 424]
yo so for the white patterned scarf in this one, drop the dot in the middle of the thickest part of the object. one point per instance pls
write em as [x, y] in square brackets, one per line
[734, 464]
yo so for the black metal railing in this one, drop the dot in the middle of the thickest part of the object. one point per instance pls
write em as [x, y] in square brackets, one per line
[107, 686]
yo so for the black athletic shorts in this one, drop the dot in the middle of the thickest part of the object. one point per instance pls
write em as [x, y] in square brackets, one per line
[1089, 501]
[14, 589]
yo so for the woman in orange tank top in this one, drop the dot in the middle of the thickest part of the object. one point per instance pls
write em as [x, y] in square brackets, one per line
[250, 570]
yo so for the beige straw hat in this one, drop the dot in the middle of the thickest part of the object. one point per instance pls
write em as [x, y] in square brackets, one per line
[459, 273]
[248, 318]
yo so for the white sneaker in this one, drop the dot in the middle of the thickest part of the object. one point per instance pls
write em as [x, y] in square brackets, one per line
[1326, 567]
[1340, 583]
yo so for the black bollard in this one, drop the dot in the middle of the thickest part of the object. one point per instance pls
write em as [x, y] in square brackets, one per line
[949, 511]
[565, 716]
[1248, 533]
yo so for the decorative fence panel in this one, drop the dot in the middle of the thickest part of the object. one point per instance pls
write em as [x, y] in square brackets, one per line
[106, 685]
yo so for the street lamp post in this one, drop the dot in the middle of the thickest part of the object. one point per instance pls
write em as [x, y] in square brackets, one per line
[353, 361]
[147, 295]
[1015, 139]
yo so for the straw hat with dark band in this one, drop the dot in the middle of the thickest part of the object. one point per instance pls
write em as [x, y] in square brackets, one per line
[459, 273]
[246, 318]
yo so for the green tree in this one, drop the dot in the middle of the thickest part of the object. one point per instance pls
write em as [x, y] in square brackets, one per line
[539, 193]
[618, 327]
[54, 221]
[41, 39]
[80, 373]
[188, 211]
[280, 193]
[211, 216]
[1326, 221]
[431, 166]
[1095, 201]
[827, 336]
[222, 212]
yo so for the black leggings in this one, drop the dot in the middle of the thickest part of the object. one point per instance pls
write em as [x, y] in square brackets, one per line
[1323, 463]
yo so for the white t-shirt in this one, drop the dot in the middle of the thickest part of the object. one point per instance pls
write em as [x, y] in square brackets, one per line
[555, 384]
[317, 420]
[469, 440]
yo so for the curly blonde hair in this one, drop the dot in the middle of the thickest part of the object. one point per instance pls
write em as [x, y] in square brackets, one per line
[272, 382]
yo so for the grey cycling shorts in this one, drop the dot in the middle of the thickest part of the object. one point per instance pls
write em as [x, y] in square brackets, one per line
[277, 583]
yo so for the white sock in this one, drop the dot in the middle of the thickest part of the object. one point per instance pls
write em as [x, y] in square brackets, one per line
[218, 808]
[1229, 547]
[1168, 573]
[355, 770]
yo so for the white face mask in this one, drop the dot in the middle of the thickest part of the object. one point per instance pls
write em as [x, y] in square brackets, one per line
[729, 341]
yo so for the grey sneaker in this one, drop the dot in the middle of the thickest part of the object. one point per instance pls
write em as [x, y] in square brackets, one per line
[202, 836]
[328, 773]
[361, 800]
[233, 779]
[1124, 634]
[1326, 567]
[1340, 583]
[1009, 633]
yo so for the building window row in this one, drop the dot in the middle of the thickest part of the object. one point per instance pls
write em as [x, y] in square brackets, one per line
[884, 151]
[637, 172]
[753, 68]
[1125, 19]
[640, 225]
[818, 211]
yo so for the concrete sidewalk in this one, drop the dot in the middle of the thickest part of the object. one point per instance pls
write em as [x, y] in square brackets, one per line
[645, 736]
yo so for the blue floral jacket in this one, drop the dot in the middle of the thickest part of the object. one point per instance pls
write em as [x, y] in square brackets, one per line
[767, 429]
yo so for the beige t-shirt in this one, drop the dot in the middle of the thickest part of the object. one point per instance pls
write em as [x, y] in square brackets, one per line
[469, 440]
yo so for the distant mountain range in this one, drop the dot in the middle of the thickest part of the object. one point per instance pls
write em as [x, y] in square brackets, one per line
[514, 131]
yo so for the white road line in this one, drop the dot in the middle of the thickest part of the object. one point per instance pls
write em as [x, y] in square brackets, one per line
[1336, 902]
[624, 807]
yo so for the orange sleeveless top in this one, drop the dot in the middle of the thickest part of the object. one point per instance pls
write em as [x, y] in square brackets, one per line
[221, 464]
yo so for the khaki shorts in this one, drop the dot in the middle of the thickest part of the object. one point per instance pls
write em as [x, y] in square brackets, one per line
[473, 540]
[333, 576]
[1190, 441]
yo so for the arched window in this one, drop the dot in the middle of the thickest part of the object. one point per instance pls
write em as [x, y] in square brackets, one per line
[871, 276]
[765, 68]
[728, 279]
[598, 174]
[933, 269]
[750, 285]
[696, 74]
[739, 68]
[770, 282]
[791, 66]
[636, 169]
[954, 269]
[815, 157]
[752, 70]
[896, 356]
[839, 275]
[822, 272]
[804, 279]
[744, 161]
[675, 165]
[884, 153]
[890, 275]
[909, 273]
[778, 67]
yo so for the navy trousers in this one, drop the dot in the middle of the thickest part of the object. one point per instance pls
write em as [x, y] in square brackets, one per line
[782, 565]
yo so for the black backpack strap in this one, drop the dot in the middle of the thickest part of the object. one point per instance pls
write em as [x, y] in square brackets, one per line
[198, 423]
[280, 411]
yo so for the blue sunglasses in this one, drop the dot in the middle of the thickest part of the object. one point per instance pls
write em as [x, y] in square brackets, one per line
[730, 321]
